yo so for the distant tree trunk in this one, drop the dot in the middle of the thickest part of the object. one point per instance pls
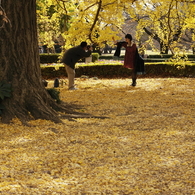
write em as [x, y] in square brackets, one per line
[19, 65]
[164, 49]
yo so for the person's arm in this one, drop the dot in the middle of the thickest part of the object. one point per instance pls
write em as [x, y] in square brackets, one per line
[82, 53]
[87, 53]
[118, 48]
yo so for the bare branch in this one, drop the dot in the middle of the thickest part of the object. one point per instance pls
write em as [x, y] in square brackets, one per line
[95, 20]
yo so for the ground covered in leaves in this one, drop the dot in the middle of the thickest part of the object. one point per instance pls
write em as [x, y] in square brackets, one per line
[145, 145]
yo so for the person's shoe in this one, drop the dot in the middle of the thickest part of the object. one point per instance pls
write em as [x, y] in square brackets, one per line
[133, 84]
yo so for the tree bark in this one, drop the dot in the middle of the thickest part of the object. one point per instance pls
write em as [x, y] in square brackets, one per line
[163, 47]
[19, 65]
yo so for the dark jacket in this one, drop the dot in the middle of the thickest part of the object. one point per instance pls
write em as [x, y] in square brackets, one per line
[73, 55]
[118, 48]
[139, 63]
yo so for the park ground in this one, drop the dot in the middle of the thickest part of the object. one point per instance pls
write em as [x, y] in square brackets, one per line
[141, 142]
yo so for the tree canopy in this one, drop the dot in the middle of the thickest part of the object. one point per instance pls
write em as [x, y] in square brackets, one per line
[93, 21]
[98, 21]
[163, 21]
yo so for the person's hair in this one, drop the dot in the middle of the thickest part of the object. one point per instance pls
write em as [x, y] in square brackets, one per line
[128, 36]
[83, 44]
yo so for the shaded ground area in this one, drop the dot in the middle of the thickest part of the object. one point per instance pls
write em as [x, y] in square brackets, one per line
[145, 146]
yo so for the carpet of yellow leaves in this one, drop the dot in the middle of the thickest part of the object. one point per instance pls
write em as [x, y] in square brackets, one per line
[145, 146]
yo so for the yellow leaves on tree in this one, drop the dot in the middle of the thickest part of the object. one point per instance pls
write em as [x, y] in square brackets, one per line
[99, 21]
[93, 21]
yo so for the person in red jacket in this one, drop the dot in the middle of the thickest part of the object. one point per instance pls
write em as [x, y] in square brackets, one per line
[130, 55]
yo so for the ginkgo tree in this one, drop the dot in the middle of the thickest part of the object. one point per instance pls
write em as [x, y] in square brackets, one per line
[92, 21]
[190, 26]
[19, 64]
[98, 21]
[101, 19]
[53, 19]
[164, 21]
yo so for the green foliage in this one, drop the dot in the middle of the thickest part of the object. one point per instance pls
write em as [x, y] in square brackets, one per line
[117, 70]
[49, 58]
[55, 58]
[169, 56]
[5, 91]
[51, 72]
[55, 94]
[110, 57]
[175, 59]
[95, 57]
[160, 56]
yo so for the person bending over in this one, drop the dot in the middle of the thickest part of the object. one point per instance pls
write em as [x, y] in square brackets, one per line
[71, 57]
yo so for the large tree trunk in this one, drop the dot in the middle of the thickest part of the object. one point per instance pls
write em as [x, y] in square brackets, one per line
[19, 65]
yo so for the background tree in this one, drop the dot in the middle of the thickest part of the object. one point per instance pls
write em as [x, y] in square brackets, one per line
[98, 21]
[54, 18]
[163, 21]
[92, 21]
[190, 29]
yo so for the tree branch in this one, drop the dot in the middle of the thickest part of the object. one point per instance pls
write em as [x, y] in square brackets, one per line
[155, 36]
[95, 20]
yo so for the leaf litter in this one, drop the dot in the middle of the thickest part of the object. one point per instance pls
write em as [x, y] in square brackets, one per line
[144, 146]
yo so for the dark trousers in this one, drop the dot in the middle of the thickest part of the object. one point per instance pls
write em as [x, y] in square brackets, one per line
[134, 75]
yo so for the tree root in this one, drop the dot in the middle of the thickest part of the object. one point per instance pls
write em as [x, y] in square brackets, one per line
[43, 107]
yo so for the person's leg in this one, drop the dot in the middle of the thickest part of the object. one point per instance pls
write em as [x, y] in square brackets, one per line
[71, 76]
[134, 77]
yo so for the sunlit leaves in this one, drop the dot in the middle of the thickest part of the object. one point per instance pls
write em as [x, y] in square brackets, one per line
[145, 146]
[166, 20]
[98, 21]
[93, 21]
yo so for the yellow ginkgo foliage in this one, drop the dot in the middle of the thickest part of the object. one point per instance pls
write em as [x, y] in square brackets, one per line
[92, 21]
[139, 140]
[97, 21]
[166, 21]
